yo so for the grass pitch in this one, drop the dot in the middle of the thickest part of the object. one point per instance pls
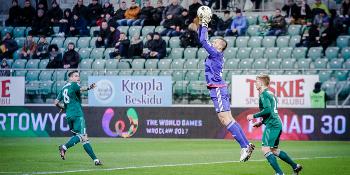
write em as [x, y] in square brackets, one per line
[166, 156]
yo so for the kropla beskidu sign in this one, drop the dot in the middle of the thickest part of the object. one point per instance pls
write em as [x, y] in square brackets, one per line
[135, 91]
[292, 91]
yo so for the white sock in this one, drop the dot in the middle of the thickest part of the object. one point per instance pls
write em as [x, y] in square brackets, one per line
[64, 147]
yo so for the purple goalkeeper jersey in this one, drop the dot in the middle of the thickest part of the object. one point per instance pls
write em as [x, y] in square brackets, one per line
[214, 63]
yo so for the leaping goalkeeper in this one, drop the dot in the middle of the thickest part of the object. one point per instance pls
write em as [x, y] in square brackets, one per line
[217, 86]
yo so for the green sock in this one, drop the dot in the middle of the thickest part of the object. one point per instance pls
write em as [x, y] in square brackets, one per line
[72, 141]
[88, 149]
[273, 162]
[284, 156]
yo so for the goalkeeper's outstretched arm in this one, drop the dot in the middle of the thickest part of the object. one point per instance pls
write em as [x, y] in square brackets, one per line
[203, 39]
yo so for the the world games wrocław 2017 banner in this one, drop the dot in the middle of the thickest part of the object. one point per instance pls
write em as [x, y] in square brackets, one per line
[172, 122]
[131, 91]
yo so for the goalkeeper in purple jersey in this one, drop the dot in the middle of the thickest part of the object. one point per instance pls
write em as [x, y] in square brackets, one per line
[217, 86]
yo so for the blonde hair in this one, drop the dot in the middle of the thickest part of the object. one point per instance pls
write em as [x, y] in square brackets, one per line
[193, 27]
[265, 78]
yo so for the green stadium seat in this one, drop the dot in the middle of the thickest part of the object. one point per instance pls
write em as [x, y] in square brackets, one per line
[282, 41]
[243, 52]
[336, 63]
[191, 64]
[324, 75]
[152, 63]
[85, 53]
[190, 53]
[271, 52]
[176, 53]
[180, 88]
[26, 32]
[166, 39]
[202, 53]
[98, 64]
[294, 40]
[84, 75]
[166, 73]
[291, 72]
[124, 29]
[93, 30]
[111, 64]
[246, 64]
[341, 75]
[46, 75]
[197, 88]
[201, 76]
[4, 30]
[329, 86]
[288, 63]
[32, 75]
[99, 73]
[152, 72]
[20, 73]
[253, 30]
[177, 64]
[299, 52]
[19, 64]
[59, 75]
[346, 64]
[230, 41]
[343, 41]
[276, 72]
[192, 75]
[63, 50]
[55, 29]
[315, 53]
[32, 87]
[332, 52]
[43, 63]
[70, 40]
[147, 29]
[304, 63]
[260, 64]
[85, 64]
[309, 72]
[294, 30]
[201, 65]
[345, 53]
[319, 64]
[168, 50]
[83, 42]
[32, 64]
[58, 40]
[135, 30]
[112, 73]
[229, 53]
[10, 62]
[159, 29]
[93, 42]
[16, 55]
[20, 41]
[252, 20]
[174, 42]
[178, 75]
[231, 64]
[285, 52]
[249, 72]
[48, 39]
[257, 53]
[106, 53]
[139, 72]
[255, 41]
[45, 87]
[57, 86]
[269, 41]
[124, 64]
[97, 53]
[274, 63]
[242, 41]
[138, 64]
[345, 91]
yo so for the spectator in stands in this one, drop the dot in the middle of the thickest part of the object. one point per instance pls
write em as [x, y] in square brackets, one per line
[71, 58]
[131, 14]
[103, 34]
[238, 26]
[78, 26]
[190, 37]
[310, 36]
[145, 14]
[318, 97]
[55, 58]
[288, 8]
[264, 26]
[157, 14]
[28, 14]
[317, 6]
[214, 24]
[113, 36]
[28, 48]
[120, 13]
[257, 3]
[121, 48]
[278, 24]
[192, 9]
[41, 51]
[219, 4]
[174, 9]
[184, 19]
[41, 24]
[81, 10]
[224, 24]
[55, 14]
[41, 6]
[94, 12]
[327, 34]
[14, 15]
[158, 47]
[319, 18]
[65, 22]
[8, 46]
[345, 8]
[301, 12]
[107, 8]
[149, 38]
[171, 26]
[5, 65]
[136, 46]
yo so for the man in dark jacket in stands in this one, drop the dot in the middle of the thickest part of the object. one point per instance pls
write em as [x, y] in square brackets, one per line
[94, 12]
[14, 15]
[78, 26]
[81, 10]
[41, 24]
[158, 47]
[8, 46]
[173, 9]
[121, 48]
[28, 14]
[120, 13]
[278, 24]
[192, 9]
[55, 14]
[145, 14]
[71, 58]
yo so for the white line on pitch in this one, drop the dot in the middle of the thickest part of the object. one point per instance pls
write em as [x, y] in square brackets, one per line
[156, 166]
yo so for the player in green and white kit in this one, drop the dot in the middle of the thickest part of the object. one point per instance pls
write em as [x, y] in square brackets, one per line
[271, 136]
[70, 96]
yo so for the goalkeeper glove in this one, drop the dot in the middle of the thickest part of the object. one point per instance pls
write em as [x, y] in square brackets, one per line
[205, 20]
[257, 124]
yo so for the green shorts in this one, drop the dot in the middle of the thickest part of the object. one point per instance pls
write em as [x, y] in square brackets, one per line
[271, 137]
[76, 125]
